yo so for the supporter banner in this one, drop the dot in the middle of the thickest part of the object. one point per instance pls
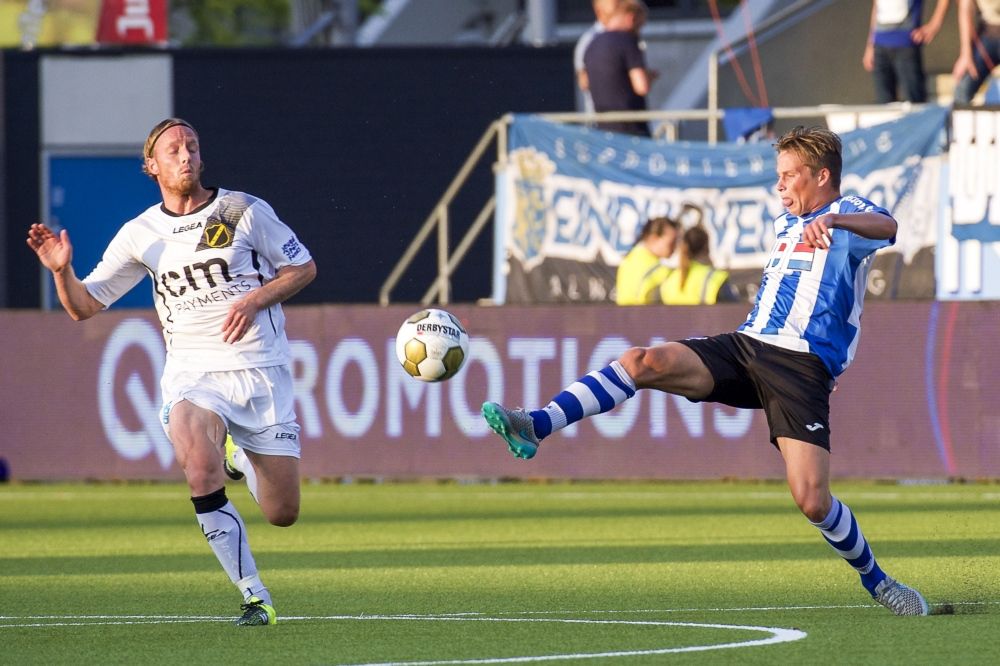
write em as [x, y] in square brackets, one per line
[969, 255]
[82, 22]
[571, 202]
[81, 400]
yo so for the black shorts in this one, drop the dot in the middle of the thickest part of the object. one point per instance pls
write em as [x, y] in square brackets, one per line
[793, 388]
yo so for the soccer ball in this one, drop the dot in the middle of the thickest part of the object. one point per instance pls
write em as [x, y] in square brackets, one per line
[432, 345]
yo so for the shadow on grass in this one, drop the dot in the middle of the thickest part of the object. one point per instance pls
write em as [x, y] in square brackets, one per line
[405, 513]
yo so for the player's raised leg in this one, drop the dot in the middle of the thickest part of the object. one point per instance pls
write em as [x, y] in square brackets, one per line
[807, 467]
[670, 367]
[278, 492]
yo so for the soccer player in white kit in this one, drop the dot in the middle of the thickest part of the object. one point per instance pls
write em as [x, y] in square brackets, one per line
[784, 358]
[221, 263]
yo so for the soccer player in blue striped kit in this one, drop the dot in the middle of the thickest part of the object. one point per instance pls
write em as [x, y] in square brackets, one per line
[784, 359]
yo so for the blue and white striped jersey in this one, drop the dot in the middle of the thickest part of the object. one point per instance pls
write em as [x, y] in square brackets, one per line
[810, 300]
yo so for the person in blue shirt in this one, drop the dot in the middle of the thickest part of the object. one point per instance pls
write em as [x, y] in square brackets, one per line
[894, 52]
[784, 359]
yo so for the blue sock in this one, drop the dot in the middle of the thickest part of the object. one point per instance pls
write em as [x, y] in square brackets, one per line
[594, 393]
[841, 531]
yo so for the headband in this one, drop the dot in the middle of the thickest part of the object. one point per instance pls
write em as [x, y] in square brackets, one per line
[156, 137]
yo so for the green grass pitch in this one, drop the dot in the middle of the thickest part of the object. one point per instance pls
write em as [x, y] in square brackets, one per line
[448, 573]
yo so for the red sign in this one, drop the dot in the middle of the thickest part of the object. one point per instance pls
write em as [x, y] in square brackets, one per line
[133, 22]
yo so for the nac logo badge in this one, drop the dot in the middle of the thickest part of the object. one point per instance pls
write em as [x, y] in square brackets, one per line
[217, 235]
[220, 228]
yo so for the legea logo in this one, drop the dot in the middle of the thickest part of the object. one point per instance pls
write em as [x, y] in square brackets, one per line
[149, 438]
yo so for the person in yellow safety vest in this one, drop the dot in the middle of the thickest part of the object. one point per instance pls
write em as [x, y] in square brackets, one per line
[696, 282]
[643, 269]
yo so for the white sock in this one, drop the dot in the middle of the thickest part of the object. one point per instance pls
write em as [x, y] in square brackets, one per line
[227, 535]
[252, 587]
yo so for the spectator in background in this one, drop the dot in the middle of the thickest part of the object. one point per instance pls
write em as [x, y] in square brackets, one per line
[643, 269]
[615, 70]
[696, 282]
[894, 53]
[603, 11]
[979, 50]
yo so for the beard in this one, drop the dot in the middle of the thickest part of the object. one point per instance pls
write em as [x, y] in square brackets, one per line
[183, 186]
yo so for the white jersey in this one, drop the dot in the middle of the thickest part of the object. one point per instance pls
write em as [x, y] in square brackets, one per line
[810, 300]
[200, 264]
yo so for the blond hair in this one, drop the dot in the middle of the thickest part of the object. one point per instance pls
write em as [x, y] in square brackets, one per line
[817, 147]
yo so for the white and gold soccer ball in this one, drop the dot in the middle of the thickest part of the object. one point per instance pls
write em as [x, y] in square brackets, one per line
[432, 345]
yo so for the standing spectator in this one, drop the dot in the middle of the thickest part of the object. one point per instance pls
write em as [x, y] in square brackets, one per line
[894, 53]
[696, 281]
[603, 11]
[615, 68]
[643, 269]
[979, 50]
[222, 263]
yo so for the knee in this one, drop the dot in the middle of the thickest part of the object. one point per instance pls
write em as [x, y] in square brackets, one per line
[814, 504]
[632, 358]
[650, 366]
[637, 361]
[202, 479]
[283, 516]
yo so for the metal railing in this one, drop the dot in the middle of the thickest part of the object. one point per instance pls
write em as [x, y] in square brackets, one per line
[448, 261]
[439, 218]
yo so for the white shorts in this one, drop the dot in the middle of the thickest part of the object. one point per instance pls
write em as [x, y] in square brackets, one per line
[256, 404]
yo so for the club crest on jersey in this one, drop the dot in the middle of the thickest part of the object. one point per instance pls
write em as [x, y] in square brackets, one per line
[220, 228]
[216, 236]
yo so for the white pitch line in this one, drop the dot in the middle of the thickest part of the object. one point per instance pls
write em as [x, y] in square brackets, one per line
[97, 620]
[86, 620]
[115, 622]
[777, 634]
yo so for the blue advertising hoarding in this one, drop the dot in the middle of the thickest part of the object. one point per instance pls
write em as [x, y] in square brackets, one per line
[92, 196]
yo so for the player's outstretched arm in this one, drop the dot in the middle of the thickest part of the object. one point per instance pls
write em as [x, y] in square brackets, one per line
[55, 252]
[867, 225]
